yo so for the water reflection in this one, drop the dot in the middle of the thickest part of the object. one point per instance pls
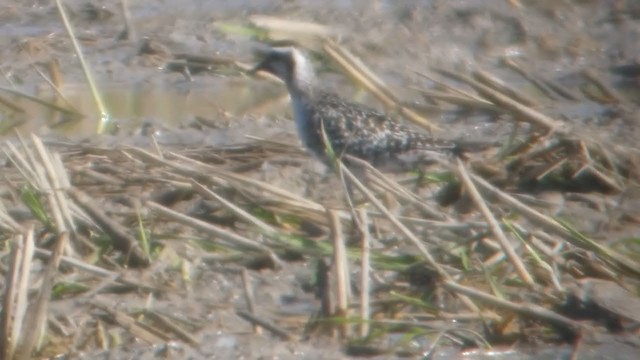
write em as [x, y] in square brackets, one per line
[213, 99]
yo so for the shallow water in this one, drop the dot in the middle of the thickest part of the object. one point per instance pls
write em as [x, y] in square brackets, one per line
[552, 39]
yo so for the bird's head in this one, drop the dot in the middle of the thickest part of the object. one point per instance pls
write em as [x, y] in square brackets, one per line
[288, 64]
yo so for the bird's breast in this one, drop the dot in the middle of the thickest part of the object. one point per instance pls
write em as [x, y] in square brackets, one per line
[306, 126]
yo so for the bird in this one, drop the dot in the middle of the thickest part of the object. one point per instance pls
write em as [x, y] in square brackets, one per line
[351, 128]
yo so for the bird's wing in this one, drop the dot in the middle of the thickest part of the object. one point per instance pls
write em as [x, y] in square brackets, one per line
[366, 132]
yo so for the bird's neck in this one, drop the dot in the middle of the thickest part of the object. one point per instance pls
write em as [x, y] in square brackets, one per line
[299, 87]
[301, 93]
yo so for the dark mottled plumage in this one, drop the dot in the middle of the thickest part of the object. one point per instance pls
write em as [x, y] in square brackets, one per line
[361, 131]
[351, 128]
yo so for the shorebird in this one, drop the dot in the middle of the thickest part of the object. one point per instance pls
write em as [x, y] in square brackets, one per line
[351, 128]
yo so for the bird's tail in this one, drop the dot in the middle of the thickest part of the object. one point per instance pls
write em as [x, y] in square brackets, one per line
[461, 147]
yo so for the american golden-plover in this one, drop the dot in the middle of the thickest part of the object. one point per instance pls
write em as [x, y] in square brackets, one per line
[351, 128]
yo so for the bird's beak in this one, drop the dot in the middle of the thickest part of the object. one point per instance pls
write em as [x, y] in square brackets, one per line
[260, 66]
[253, 70]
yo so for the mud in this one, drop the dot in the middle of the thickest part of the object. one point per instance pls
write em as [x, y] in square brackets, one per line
[557, 40]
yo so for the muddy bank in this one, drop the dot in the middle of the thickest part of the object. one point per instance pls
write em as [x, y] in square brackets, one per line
[176, 125]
